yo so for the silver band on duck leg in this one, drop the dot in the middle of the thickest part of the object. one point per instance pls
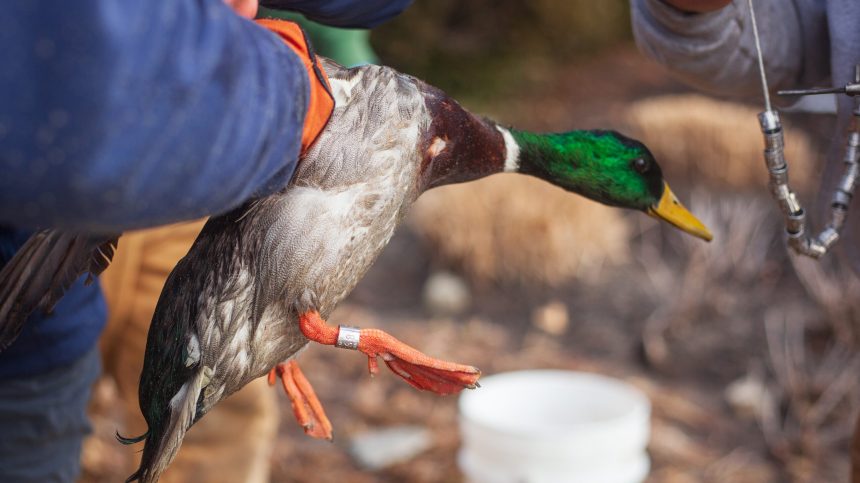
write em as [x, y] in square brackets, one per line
[348, 337]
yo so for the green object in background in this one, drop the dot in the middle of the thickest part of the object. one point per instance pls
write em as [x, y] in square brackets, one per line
[348, 47]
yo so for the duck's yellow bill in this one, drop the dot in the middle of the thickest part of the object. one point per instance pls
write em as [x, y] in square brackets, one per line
[671, 210]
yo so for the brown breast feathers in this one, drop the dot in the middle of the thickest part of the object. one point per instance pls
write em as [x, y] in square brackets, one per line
[458, 146]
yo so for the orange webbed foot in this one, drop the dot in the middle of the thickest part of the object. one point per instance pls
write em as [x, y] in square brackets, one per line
[418, 369]
[306, 406]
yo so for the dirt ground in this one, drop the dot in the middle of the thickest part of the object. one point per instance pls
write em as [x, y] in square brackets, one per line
[681, 320]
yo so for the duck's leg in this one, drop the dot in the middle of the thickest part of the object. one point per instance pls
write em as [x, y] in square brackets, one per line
[417, 368]
[306, 407]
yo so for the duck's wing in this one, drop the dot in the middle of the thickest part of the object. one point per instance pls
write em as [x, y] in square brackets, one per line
[42, 270]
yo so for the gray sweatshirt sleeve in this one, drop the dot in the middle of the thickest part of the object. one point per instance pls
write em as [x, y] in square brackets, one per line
[715, 51]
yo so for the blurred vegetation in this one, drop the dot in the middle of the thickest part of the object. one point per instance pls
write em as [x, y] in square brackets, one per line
[500, 45]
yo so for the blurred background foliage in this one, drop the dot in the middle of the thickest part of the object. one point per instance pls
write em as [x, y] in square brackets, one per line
[503, 46]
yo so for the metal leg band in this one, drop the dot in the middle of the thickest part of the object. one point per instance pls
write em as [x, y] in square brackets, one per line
[348, 337]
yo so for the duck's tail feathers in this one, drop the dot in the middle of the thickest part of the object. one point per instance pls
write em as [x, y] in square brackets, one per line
[135, 439]
[165, 434]
[41, 271]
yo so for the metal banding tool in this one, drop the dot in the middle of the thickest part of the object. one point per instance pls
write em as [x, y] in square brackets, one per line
[799, 239]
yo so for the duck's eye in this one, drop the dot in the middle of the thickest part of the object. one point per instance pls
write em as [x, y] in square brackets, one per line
[641, 165]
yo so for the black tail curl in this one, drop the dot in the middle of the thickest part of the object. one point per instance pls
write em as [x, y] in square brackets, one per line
[135, 439]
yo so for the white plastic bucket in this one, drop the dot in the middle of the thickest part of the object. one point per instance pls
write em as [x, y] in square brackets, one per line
[551, 426]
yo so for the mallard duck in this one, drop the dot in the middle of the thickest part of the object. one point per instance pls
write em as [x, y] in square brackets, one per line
[260, 282]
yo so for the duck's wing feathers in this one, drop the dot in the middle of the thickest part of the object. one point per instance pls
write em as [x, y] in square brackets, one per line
[42, 270]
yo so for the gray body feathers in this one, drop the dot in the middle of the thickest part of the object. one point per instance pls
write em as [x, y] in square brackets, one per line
[230, 308]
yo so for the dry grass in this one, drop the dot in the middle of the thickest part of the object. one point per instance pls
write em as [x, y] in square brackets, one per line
[696, 281]
[714, 142]
[810, 348]
[508, 228]
[816, 398]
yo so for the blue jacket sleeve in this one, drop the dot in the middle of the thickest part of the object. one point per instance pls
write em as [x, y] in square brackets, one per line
[124, 114]
[343, 13]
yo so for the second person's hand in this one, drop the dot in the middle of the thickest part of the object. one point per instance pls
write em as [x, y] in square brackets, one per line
[245, 8]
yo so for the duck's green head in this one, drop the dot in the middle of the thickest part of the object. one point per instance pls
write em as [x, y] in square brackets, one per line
[605, 166]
